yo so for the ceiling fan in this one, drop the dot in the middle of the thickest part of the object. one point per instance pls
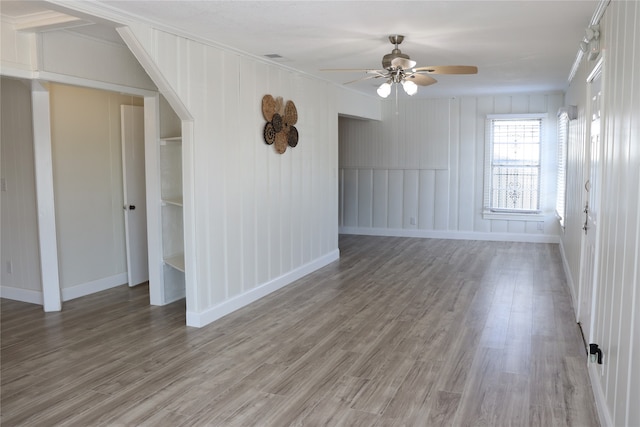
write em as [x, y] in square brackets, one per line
[398, 68]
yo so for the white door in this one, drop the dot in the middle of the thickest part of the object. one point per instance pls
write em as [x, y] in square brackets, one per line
[588, 269]
[135, 207]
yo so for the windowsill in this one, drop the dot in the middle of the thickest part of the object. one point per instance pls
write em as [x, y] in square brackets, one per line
[513, 216]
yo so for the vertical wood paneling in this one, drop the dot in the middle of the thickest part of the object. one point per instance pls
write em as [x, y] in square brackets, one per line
[467, 164]
[517, 227]
[520, 104]
[499, 226]
[616, 326]
[538, 103]
[618, 264]
[258, 215]
[426, 219]
[484, 105]
[234, 176]
[502, 104]
[307, 201]
[410, 198]
[260, 183]
[396, 192]
[446, 135]
[350, 185]
[365, 198]
[214, 214]
[454, 163]
[411, 137]
[441, 214]
[380, 198]
[248, 138]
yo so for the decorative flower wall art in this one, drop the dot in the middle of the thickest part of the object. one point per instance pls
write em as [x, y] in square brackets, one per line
[281, 118]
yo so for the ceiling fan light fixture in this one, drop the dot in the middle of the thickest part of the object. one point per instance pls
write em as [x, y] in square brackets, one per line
[409, 87]
[384, 90]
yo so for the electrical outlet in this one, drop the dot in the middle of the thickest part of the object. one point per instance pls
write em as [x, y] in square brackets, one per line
[3, 184]
[9, 267]
[412, 220]
[541, 226]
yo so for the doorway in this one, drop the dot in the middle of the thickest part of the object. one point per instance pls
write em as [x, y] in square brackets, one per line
[134, 193]
[88, 185]
[588, 265]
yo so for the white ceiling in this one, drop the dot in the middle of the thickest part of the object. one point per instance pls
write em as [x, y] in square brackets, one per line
[518, 45]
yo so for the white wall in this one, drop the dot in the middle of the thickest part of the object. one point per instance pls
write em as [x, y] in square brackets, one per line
[576, 195]
[616, 323]
[68, 56]
[420, 172]
[20, 260]
[260, 219]
[17, 51]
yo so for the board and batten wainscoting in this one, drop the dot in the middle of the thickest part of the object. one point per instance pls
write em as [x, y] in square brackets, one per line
[419, 172]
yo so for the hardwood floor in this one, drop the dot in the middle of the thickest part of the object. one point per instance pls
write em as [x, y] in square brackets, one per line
[399, 332]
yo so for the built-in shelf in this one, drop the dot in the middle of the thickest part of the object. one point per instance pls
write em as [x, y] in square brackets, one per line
[176, 261]
[175, 140]
[175, 201]
[171, 214]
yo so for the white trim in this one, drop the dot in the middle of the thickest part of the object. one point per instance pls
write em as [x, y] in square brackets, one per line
[204, 318]
[9, 71]
[152, 182]
[601, 401]
[516, 116]
[22, 295]
[89, 288]
[94, 84]
[489, 146]
[514, 216]
[453, 235]
[570, 282]
[45, 197]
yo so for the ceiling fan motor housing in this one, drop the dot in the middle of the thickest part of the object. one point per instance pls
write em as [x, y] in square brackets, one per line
[395, 53]
[395, 39]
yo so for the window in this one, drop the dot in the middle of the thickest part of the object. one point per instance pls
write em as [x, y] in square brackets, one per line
[565, 115]
[512, 170]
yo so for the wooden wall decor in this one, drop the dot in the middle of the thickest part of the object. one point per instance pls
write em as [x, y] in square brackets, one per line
[281, 118]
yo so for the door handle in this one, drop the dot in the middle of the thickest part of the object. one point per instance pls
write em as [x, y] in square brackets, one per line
[586, 218]
[130, 207]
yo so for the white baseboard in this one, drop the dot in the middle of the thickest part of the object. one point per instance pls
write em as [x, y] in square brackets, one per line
[35, 297]
[22, 295]
[204, 318]
[452, 234]
[93, 287]
[570, 282]
[598, 394]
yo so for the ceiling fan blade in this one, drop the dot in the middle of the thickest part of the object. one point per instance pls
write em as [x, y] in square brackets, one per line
[403, 63]
[363, 78]
[448, 69]
[352, 70]
[421, 79]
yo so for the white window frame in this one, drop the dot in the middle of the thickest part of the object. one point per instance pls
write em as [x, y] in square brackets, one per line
[491, 213]
[566, 117]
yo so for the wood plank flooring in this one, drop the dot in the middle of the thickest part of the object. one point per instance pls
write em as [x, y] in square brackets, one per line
[399, 332]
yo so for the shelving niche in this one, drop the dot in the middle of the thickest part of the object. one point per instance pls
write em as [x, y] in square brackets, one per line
[171, 208]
